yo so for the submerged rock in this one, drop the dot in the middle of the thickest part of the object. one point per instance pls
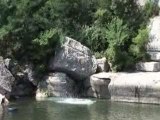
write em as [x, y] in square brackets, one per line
[74, 59]
[6, 78]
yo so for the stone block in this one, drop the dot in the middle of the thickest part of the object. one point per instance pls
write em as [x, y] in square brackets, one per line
[148, 66]
[155, 56]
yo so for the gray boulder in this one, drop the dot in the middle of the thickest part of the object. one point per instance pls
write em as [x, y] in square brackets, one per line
[148, 66]
[56, 84]
[74, 59]
[6, 78]
[99, 86]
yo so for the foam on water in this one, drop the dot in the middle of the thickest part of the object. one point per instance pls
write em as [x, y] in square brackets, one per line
[75, 101]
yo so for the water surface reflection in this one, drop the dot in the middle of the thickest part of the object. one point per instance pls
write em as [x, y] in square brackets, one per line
[101, 110]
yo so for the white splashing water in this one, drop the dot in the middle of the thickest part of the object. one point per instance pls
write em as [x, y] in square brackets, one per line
[74, 101]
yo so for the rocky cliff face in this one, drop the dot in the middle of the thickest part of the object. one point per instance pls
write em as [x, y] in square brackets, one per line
[25, 82]
[6, 78]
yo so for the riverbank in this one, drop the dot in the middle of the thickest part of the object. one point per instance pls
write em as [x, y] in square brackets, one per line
[74, 75]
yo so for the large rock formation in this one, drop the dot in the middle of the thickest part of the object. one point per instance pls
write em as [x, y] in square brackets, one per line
[56, 84]
[6, 78]
[74, 59]
[141, 87]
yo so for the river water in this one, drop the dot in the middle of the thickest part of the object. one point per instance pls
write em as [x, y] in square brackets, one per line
[97, 110]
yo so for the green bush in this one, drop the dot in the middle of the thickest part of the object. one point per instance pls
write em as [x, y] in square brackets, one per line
[138, 48]
[99, 55]
[117, 35]
[30, 30]
[95, 38]
[151, 9]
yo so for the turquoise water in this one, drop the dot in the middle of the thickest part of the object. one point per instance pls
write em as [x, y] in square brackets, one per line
[99, 110]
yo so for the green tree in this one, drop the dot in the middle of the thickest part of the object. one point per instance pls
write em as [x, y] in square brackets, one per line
[31, 30]
[117, 35]
[138, 48]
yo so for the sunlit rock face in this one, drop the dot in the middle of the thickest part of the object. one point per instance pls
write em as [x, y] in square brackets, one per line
[6, 78]
[74, 59]
[148, 66]
[154, 35]
[56, 84]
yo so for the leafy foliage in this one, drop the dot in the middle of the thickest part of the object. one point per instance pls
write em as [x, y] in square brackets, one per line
[138, 48]
[95, 37]
[151, 9]
[117, 35]
[31, 30]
